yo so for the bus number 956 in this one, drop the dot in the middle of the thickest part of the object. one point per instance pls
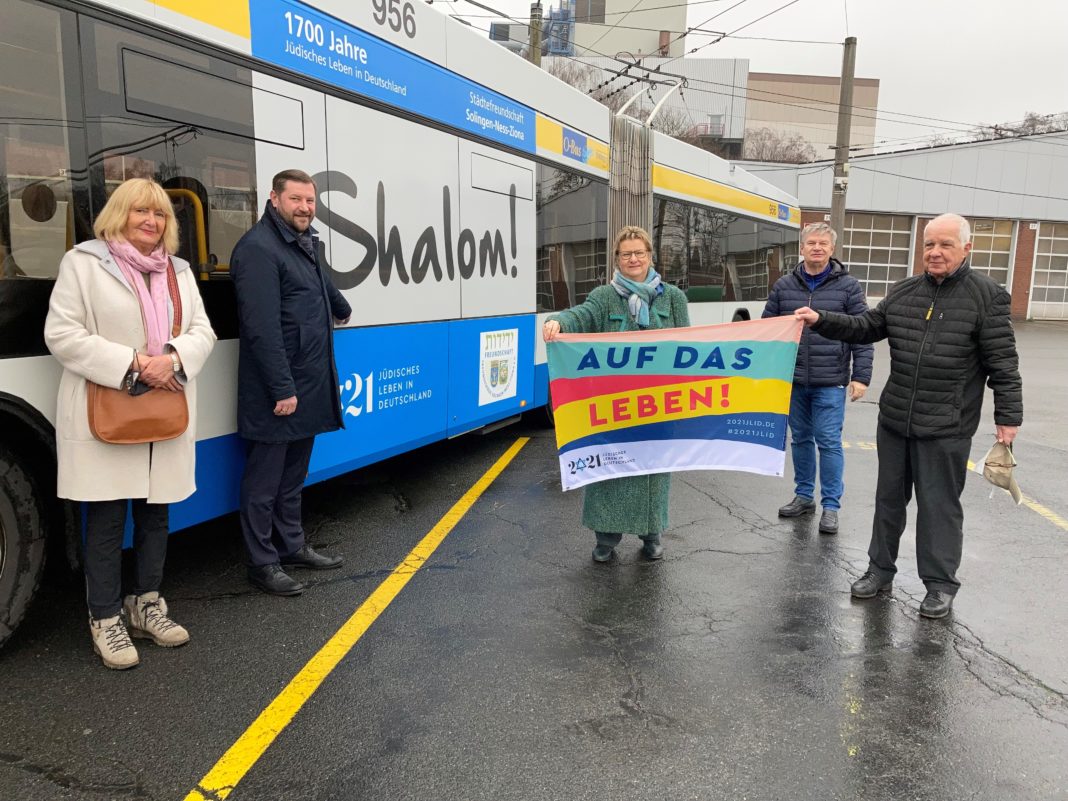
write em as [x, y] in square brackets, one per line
[397, 15]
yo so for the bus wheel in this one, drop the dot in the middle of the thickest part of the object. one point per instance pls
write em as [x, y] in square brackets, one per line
[22, 543]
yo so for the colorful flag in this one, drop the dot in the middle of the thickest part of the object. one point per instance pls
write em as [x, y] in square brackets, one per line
[712, 397]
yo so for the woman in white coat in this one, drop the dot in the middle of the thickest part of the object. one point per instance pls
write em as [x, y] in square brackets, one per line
[110, 321]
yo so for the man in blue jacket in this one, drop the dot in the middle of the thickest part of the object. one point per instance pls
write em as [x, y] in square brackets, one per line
[822, 376]
[288, 388]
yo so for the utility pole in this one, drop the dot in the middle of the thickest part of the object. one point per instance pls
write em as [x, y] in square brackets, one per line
[535, 34]
[841, 148]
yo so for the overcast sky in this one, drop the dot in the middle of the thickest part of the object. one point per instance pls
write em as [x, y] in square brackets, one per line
[963, 62]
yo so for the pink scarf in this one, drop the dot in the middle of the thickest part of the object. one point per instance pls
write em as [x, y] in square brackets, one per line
[153, 298]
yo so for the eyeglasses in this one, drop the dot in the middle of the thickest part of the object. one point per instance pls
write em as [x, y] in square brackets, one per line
[633, 254]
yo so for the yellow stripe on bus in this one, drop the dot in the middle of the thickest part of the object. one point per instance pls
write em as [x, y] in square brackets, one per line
[229, 15]
[684, 183]
[549, 135]
[598, 154]
[250, 746]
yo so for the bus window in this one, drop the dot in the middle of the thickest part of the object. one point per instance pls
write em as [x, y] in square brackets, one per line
[671, 246]
[571, 261]
[708, 230]
[182, 118]
[36, 211]
[41, 147]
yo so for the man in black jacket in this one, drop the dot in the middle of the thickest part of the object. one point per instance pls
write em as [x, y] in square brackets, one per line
[949, 332]
[288, 388]
[822, 376]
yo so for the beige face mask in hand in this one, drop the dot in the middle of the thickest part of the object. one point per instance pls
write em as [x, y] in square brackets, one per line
[997, 468]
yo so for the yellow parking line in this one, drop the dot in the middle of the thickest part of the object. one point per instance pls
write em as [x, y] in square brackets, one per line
[1035, 506]
[221, 780]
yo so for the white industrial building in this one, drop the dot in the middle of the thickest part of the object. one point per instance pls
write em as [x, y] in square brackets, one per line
[1014, 191]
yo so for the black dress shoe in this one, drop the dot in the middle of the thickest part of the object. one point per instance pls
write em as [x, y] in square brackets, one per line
[797, 507]
[653, 550]
[603, 553]
[307, 557]
[829, 521]
[936, 604]
[274, 581]
[869, 585]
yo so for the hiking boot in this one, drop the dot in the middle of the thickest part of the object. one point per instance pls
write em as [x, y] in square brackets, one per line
[112, 643]
[147, 615]
[829, 521]
[797, 507]
[869, 585]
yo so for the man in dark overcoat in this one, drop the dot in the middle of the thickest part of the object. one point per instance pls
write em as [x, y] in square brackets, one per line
[288, 386]
[825, 374]
[950, 332]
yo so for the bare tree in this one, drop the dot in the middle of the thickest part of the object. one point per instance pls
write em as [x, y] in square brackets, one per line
[1032, 123]
[764, 144]
[604, 87]
[674, 123]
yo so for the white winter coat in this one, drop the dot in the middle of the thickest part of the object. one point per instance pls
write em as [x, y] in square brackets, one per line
[94, 324]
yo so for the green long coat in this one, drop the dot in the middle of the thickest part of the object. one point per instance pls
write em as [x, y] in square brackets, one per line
[631, 504]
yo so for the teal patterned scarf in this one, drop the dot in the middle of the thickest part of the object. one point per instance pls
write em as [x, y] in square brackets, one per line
[639, 296]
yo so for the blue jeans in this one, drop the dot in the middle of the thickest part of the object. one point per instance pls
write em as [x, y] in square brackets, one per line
[816, 417]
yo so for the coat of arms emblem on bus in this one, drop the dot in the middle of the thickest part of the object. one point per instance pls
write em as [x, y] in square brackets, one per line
[498, 355]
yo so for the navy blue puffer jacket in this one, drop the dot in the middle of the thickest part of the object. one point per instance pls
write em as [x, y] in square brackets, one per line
[824, 362]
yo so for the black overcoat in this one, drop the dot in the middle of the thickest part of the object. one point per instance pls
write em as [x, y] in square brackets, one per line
[285, 303]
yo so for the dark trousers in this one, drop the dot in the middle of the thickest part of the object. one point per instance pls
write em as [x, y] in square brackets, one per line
[937, 469]
[104, 531]
[613, 538]
[270, 499]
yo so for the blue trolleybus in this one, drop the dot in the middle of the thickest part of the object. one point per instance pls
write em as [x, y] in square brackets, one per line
[462, 192]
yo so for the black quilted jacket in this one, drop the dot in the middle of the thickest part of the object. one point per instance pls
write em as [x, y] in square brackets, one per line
[823, 362]
[946, 340]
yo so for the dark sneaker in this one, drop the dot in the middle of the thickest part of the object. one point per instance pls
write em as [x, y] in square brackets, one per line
[937, 604]
[603, 553]
[274, 581]
[829, 521]
[308, 557]
[653, 550]
[869, 585]
[797, 507]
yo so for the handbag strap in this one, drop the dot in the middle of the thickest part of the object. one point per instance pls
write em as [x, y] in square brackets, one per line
[176, 299]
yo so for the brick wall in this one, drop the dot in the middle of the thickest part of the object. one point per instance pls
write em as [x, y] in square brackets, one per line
[1023, 260]
[917, 256]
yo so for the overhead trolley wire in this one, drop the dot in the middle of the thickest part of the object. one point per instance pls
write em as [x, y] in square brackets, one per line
[832, 107]
[610, 28]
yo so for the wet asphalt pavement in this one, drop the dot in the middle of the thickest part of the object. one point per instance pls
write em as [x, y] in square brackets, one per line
[513, 667]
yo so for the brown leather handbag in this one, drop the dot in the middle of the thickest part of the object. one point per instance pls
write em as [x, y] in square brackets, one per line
[120, 417]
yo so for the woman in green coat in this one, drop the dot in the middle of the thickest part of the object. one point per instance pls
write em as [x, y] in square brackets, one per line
[635, 299]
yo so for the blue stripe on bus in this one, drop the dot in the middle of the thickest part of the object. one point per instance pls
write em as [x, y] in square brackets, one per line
[402, 387]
